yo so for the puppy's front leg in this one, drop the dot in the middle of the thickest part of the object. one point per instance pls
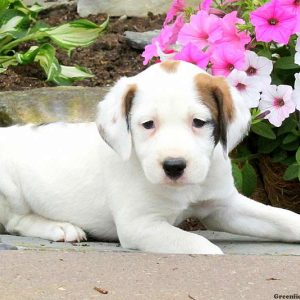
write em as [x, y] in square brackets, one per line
[146, 233]
[241, 215]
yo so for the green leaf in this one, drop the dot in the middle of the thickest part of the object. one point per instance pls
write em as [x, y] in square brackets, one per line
[298, 156]
[80, 33]
[264, 130]
[249, 179]
[279, 156]
[267, 146]
[47, 60]
[287, 126]
[291, 146]
[291, 172]
[27, 57]
[75, 73]
[4, 4]
[237, 176]
[286, 63]
[289, 138]
[6, 61]
[266, 53]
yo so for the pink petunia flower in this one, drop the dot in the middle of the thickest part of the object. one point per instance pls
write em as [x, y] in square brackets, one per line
[167, 37]
[273, 23]
[231, 33]
[294, 7]
[191, 53]
[225, 59]
[203, 30]
[176, 7]
[248, 87]
[258, 67]
[205, 4]
[278, 100]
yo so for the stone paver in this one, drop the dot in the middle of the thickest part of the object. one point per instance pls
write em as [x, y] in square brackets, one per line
[126, 7]
[42, 105]
[126, 276]
[230, 244]
[49, 3]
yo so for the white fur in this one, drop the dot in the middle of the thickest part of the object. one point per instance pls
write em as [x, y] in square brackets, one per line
[61, 180]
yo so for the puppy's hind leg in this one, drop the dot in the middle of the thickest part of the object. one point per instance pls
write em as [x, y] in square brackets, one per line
[37, 226]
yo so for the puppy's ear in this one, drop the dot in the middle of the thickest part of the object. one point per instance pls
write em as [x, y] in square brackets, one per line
[113, 119]
[215, 94]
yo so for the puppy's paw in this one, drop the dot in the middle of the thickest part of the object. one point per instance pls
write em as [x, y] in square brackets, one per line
[66, 232]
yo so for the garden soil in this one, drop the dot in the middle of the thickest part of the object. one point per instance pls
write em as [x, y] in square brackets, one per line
[108, 59]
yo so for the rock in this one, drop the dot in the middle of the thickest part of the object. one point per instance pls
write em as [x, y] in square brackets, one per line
[126, 7]
[7, 247]
[49, 3]
[43, 105]
[138, 40]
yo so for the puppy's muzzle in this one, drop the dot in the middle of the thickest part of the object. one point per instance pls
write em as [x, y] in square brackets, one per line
[174, 167]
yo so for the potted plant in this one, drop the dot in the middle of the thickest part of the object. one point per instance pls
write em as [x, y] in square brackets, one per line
[255, 45]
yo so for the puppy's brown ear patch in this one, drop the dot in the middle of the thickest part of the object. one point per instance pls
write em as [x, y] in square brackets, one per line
[170, 66]
[127, 102]
[215, 94]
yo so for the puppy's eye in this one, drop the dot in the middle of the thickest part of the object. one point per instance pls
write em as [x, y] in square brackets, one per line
[148, 124]
[198, 123]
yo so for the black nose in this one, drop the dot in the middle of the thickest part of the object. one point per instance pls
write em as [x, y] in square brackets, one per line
[174, 167]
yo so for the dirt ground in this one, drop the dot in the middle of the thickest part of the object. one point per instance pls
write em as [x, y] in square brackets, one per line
[108, 59]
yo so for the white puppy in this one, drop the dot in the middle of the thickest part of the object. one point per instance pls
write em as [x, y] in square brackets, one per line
[163, 157]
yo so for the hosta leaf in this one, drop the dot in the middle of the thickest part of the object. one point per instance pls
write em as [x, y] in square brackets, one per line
[81, 33]
[75, 72]
[27, 57]
[4, 4]
[47, 60]
[6, 61]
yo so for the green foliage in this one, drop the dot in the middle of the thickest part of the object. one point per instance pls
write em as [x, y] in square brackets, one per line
[19, 24]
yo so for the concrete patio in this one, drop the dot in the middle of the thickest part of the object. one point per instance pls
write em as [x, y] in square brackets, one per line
[252, 269]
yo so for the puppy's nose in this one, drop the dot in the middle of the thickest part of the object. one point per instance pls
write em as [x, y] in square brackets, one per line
[174, 167]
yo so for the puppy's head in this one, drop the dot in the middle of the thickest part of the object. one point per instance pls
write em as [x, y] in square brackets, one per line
[173, 115]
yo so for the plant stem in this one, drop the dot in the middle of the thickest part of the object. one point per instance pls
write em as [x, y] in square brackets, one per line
[13, 44]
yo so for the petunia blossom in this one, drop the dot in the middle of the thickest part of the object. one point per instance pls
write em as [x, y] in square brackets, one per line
[203, 30]
[231, 33]
[294, 7]
[226, 58]
[248, 87]
[205, 4]
[166, 38]
[176, 7]
[296, 91]
[273, 23]
[258, 67]
[191, 53]
[278, 100]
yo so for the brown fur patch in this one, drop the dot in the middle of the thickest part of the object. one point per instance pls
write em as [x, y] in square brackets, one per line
[128, 98]
[210, 88]
[215, 94]
[170, 66]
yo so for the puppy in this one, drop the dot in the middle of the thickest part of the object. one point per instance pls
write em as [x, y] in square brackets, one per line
[162, 157]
